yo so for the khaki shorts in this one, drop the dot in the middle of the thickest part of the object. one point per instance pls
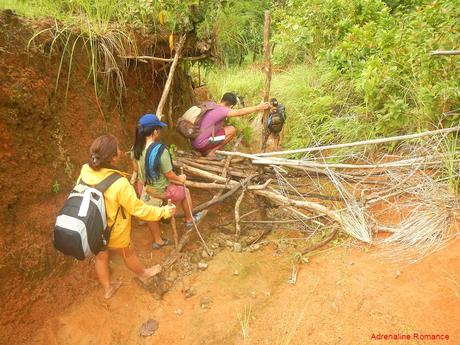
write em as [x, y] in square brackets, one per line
[149, 200]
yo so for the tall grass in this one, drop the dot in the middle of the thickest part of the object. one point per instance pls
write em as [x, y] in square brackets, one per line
[319, 109]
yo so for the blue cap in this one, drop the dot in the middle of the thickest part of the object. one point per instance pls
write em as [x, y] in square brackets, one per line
[150, 120]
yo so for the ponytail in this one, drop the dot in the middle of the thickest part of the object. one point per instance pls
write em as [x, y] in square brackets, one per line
[141, 134]
[102, 151]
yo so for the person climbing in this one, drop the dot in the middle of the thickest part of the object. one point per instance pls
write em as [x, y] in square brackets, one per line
[213, 134]
[275, 122]
[155, 172]
[120, 203]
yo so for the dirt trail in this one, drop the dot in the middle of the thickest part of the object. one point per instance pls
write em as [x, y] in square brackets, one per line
[342, 296]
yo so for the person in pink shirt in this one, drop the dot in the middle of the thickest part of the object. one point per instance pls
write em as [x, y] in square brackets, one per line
[213, 134]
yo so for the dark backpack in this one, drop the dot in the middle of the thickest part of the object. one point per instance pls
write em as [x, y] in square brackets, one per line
[276, 119]
[189, 124]
[81, 226]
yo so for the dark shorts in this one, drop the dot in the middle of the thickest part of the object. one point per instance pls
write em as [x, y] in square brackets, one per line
[212, 145]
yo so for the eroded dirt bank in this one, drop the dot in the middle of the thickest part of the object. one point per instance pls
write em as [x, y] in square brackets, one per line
[44, 137]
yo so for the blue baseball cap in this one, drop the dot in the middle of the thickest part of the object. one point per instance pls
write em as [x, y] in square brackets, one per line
[150, 120]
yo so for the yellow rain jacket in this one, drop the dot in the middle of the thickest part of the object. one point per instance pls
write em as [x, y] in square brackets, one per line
[121, 193]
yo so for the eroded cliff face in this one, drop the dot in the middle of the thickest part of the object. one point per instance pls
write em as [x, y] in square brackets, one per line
[45, 133]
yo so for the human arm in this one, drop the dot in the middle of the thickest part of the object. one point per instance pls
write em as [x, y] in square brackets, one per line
[126, 197]
[174, 178]
[248, 110]
[135, 172]
[167, 169]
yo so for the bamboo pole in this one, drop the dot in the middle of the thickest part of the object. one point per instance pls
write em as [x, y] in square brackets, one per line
[352, 144]
[268, 76]
[168, 83]
[445, 52]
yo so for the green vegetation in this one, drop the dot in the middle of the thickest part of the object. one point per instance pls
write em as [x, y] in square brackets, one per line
[345, 69]
[352, 70]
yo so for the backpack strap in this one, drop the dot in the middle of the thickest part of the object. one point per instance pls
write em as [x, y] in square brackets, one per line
[107, 182]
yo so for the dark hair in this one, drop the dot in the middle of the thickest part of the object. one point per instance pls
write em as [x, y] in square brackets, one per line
[102, 151]
[141, 134]
[229, 98]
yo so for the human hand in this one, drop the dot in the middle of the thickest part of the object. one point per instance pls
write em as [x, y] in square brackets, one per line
[171, 208]
[182, 178]
[264, 105]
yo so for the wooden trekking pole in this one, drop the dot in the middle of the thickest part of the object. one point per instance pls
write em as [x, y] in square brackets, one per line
[174, 229]
[268, 77]
[189, 204]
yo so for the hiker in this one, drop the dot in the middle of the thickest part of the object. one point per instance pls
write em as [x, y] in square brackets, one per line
[155, 172]
[104, 156]
[275, 122]
[213, 134]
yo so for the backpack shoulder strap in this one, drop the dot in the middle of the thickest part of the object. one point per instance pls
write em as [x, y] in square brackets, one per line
[107, 182]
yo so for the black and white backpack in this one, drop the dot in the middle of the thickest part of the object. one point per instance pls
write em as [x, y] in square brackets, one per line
[81, 226]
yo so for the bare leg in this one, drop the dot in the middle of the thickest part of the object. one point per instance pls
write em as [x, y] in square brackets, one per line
[156, 232]
[230, 133]
[276, 140]
[133, 263]
[103, 274]
[186, 207]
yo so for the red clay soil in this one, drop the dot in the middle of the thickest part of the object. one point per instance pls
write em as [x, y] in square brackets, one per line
[344, 295]
[44, 140]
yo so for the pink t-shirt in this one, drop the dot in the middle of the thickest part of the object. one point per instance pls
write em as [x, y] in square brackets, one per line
[213, 119]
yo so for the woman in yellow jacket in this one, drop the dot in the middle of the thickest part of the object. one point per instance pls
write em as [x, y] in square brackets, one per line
[104, 155]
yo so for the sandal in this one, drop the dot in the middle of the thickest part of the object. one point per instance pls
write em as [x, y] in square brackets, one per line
[197, 217]
[112, 290]
[166, 242]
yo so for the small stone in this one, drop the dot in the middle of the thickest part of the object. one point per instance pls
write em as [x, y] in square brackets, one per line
[173, 275]
[237, 247]
[236, 273]
[256, 246]
[205, 302]
[190, 292]
[178, 312]
[214, 245]
[229, 243]
[253, 294]
[204, 254]
[397, 274]
[202, 265]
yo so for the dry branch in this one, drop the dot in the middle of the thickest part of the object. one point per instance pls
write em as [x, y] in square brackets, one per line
[353, 144]
[167, 87]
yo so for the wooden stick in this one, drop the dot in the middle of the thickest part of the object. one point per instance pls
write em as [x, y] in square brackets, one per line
[211, 168]
[312, 206]
[204, 174]
[445, 52]
[204, 185]
[189, 204]
[268, 75]
[164, 95]
[237, 214]
[396, 164]
[174, 229]
[353, 144]
[154, 58]
[170, 107]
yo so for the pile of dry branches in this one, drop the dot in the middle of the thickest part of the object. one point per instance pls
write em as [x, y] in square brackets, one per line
[409, 188]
